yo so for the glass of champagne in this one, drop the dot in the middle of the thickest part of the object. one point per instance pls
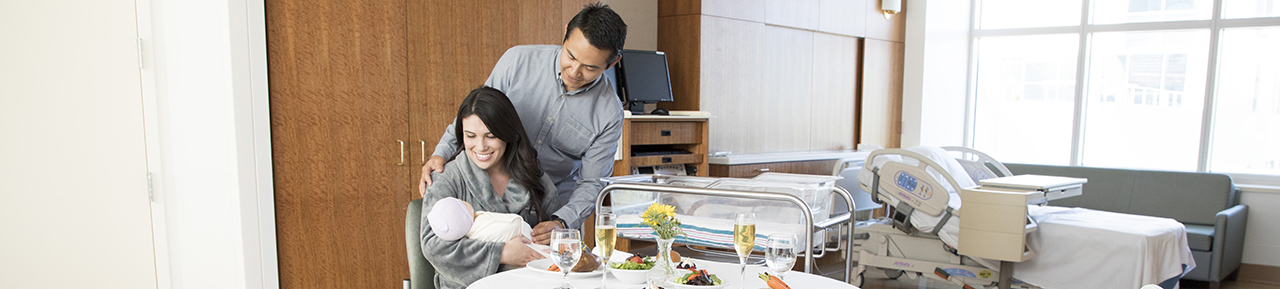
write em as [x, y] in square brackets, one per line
[744, 239]
[566, 248]
[780, 253]
[606, 234]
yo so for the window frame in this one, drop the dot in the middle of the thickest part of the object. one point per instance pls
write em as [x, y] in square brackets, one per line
[1085, 30]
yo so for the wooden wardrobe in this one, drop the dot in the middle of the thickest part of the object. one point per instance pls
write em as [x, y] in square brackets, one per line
[361, 90]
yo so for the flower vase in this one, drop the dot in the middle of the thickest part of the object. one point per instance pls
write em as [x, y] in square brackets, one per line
[663, 271]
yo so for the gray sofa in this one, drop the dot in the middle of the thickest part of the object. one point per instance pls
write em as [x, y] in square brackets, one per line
[1207, 203]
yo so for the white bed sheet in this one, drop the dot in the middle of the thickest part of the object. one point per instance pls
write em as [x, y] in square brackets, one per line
[1083, 248]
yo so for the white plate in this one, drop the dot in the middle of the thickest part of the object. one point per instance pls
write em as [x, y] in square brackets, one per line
[541, 265]
[682, 286]
[723, 283]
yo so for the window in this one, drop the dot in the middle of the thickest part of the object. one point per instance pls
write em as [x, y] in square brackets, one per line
[1147, 84]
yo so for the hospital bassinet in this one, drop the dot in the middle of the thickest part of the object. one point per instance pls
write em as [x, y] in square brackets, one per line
[783, 203]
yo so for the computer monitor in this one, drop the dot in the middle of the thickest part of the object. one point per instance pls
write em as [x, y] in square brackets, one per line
[642, 77]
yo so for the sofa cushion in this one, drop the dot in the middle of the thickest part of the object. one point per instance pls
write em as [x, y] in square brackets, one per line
[1193, 198]
[1199, 237]
[1117, 185]
[1184, 196]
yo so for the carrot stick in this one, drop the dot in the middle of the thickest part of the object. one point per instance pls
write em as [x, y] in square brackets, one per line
[773, 281]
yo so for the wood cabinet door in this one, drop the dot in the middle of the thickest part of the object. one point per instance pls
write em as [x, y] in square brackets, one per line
[338, 116]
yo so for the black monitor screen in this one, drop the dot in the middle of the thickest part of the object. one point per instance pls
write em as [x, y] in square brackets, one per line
[643, 78]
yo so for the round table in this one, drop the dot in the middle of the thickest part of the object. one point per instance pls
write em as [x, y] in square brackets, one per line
[728, 272]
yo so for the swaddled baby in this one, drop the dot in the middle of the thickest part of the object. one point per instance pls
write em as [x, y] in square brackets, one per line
[451, 219]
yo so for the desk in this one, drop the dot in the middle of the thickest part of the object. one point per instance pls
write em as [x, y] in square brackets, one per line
[727, 272]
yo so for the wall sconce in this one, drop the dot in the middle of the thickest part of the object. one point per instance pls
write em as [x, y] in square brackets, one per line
[889, 7]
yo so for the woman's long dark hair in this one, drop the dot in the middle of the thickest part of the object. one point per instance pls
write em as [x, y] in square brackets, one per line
[496, 111]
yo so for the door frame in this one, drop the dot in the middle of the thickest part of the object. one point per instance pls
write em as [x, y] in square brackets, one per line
[252, 145]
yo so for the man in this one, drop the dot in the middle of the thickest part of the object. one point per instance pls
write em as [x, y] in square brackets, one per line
[572, 114]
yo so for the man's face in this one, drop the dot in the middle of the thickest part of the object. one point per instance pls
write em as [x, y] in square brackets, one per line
[581, 63]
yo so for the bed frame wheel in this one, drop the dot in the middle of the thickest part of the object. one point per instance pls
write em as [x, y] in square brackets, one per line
[893, 274]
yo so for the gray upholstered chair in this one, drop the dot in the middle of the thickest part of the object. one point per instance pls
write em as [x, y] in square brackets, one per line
[1208, 204]
[421, 273]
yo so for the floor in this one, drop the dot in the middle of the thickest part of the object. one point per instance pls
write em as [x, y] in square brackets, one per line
[877, 279]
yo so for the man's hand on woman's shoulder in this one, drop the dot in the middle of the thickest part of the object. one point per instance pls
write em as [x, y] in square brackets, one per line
[435, 164]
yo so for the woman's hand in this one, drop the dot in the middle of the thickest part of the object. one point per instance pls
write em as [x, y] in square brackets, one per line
[516, 253]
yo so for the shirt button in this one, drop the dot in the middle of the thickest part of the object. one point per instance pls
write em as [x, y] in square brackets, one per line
[539, 141]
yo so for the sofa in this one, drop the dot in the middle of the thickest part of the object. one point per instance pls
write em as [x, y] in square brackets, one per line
[1208, 204]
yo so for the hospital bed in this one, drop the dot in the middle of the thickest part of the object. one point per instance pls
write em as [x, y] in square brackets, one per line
[783, 203]
[1057, 248]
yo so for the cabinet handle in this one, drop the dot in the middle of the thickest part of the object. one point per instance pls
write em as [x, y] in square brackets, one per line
[666, 133]
[666, 160]
[764, 170]
[401, 152]
[423, 153]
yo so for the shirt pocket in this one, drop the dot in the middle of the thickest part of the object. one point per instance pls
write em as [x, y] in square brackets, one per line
[571, 137]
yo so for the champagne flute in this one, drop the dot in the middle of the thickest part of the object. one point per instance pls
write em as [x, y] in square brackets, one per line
[744, 239]
[606, 234]
[566, 248]
[780, 253]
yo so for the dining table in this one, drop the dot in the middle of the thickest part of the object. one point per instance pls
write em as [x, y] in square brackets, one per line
[526, 277]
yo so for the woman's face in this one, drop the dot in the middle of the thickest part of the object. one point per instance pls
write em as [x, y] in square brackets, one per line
[484, 148]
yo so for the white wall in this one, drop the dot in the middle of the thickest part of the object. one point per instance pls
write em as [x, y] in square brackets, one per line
[936, 61]
[1262, 233]
[210, 182]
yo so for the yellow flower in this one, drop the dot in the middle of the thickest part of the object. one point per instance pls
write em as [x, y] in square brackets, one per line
[662, 218]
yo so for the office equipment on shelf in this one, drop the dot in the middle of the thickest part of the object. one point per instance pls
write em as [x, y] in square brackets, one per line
[642, 77]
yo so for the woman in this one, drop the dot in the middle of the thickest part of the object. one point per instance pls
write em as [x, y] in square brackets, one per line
[500, 174]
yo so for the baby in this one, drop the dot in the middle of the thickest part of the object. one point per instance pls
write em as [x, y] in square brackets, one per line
[451, 219]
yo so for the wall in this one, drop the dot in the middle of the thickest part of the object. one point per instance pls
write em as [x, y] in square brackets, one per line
[1262, 234]
[209, 148]
[777, 75]
[641, 17]
[934, 114]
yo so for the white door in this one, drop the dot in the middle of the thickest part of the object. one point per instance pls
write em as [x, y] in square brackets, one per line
[74, 211]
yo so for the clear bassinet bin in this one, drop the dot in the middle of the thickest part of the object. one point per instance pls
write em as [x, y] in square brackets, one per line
[708, 220]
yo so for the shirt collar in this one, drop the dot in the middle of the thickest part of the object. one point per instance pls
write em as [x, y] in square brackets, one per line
[555, 67]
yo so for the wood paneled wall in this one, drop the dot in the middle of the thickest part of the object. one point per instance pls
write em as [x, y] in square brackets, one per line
[882, 69]
[351, 80]
[453, 46]
[338, 107]
[781, 75]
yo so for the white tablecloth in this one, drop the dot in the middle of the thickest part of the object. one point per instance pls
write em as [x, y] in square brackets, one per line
[728, 272]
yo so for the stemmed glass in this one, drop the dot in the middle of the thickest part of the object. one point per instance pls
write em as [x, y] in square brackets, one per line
[780, 253]
[744, 239]
[606, 234]
[566, 248]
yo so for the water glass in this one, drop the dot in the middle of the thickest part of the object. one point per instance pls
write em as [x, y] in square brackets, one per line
[566, 248]
[780, 253]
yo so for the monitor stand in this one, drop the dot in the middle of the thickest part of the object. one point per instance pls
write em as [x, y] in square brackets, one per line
[636, 107]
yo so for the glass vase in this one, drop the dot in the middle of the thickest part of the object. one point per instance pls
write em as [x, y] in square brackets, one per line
[663, 271]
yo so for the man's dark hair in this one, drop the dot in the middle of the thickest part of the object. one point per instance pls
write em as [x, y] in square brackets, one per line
[603, 28]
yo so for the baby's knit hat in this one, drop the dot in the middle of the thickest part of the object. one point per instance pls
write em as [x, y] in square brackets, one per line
[450, 219]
